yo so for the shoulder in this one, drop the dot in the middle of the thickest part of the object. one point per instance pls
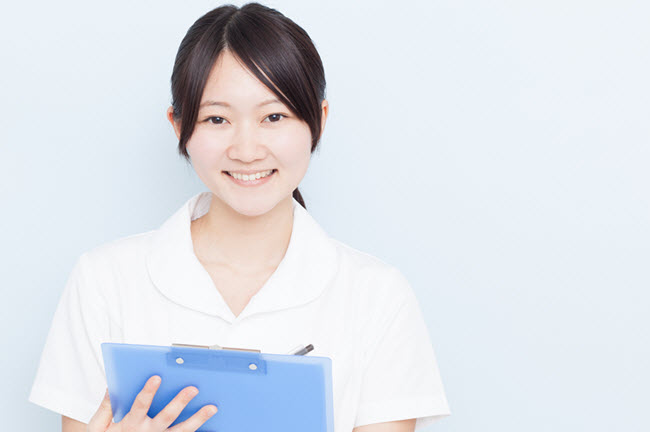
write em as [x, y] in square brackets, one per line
[370, 276]
[120, 253]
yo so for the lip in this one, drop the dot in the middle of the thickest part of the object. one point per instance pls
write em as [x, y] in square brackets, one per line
[247, 172]
[251, 183]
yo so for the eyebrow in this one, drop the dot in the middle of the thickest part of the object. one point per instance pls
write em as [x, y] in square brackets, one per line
[226, 104]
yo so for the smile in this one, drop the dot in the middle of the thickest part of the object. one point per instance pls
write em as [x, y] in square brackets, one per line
[253, 179]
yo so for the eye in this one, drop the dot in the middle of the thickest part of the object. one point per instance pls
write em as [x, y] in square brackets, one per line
[278, 118]
[218, 118]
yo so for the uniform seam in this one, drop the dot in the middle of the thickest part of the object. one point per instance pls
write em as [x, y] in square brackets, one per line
[386, 329]
[87, 272]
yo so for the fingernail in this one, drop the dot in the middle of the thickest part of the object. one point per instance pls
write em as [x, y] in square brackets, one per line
[155, 380]
[106, 394]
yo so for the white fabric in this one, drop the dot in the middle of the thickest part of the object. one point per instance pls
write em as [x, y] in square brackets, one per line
[150, 288]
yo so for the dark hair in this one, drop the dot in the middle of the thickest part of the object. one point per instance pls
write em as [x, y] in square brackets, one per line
[266, 42]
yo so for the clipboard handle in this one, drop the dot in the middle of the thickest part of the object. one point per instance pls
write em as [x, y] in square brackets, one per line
[239, 361]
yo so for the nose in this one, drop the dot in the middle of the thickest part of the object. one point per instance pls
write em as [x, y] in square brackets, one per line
[246, 146]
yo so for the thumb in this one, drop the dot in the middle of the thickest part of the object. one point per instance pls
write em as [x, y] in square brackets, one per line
[103, 417]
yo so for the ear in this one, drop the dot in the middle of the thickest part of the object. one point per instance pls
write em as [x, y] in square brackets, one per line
[325, 107]
[176, 126]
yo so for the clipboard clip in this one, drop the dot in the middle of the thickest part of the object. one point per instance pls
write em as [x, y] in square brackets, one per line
[216, 359]
[215, 347]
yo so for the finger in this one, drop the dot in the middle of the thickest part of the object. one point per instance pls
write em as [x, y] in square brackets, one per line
[142, 402]
[196, 421]
[168, 414]
[103, 417]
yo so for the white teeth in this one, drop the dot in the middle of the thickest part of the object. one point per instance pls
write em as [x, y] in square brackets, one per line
[246, 177]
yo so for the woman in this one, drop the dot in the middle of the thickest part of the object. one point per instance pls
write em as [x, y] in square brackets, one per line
[243, 264]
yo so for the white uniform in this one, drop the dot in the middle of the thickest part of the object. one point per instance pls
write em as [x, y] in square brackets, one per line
[150, 288]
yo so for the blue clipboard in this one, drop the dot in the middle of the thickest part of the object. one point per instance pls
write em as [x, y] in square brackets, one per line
[253, 391]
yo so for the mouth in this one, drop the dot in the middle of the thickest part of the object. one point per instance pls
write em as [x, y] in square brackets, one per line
[253, 182]
[272, 172]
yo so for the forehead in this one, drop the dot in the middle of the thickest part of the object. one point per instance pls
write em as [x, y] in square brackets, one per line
[231, 81]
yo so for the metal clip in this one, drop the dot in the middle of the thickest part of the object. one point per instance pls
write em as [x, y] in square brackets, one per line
[215, 347]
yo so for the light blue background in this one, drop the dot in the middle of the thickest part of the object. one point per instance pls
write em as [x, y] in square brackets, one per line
[497, 152]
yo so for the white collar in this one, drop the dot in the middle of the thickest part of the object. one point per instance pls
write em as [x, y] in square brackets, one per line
[308, 265]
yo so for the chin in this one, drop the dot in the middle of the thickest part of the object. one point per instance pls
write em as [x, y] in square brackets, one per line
[253, 207]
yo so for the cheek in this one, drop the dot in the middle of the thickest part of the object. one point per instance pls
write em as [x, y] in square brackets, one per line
[294, 149]
[202, 148]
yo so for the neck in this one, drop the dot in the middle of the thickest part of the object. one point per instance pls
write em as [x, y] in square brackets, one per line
[224, 237]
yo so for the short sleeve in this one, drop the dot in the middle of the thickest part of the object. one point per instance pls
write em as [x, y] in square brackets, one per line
[401, 378]
[70, 379]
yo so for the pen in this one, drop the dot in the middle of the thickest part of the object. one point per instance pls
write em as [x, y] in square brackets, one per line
[305, 350]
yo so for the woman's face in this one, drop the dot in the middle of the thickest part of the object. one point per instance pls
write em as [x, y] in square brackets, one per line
[238, 130]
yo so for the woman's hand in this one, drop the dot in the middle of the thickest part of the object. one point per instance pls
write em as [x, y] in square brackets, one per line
[137, 419]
